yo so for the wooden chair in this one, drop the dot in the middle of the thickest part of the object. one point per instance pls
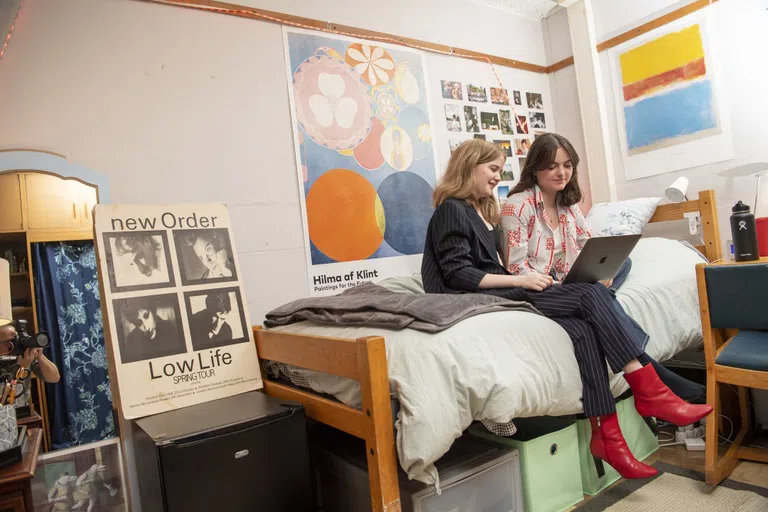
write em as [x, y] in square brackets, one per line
[733, 298]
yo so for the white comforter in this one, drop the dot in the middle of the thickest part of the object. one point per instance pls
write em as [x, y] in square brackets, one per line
[505, 365]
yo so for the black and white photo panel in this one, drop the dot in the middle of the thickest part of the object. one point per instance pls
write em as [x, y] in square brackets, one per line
[149, 327]
[216, 318]
[138, 261]
[205, 256]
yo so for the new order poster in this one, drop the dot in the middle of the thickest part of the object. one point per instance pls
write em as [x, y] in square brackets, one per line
[366, 166]
[176, 313]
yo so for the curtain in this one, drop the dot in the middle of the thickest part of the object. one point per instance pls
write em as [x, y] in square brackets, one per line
[69, 309]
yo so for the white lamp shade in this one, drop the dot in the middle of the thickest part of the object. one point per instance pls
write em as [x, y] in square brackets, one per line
[6, 316]
[677, 190]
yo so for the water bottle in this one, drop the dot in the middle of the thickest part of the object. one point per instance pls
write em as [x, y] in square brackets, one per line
[744, 233]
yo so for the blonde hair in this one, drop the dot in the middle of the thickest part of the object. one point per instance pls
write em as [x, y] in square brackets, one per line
[457, 181]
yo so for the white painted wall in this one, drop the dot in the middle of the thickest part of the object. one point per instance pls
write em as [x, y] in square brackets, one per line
[176, 105]
[565, 94]
[741, 39]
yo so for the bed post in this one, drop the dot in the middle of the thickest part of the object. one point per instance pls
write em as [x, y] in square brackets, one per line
[379, 437]
[710, 225]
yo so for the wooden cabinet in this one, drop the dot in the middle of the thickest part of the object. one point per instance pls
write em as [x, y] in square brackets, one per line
[53, 203]
[10, 203]
[13, 502]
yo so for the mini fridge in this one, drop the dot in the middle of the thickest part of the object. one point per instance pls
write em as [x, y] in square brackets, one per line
[248, 452]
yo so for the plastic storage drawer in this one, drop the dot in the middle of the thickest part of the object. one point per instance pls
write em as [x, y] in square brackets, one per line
[549, 465]
[475, 476]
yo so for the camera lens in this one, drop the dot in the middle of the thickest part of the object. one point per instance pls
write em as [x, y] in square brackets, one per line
[42, 339]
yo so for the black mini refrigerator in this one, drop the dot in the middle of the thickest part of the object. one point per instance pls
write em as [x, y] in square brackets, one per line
[247, 452]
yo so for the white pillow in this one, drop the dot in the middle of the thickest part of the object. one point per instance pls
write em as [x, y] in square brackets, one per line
[622, 217]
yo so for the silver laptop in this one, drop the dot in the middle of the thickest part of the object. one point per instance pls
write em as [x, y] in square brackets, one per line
[601, 258]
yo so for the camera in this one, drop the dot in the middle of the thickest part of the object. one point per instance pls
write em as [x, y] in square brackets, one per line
[22, 341]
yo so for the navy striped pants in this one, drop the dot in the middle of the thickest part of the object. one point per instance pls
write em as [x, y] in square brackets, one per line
[587, 314]
[598, 331]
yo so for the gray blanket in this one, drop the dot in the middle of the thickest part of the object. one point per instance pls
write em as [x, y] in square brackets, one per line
[372, 305]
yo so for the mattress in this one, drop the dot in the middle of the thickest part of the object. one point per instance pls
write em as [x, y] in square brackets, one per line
[504, 365]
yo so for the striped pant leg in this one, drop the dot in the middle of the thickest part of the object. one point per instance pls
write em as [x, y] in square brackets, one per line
[596, 392]
[593, 304]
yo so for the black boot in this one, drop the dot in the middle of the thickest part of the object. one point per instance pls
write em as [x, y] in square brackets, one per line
[682, 387]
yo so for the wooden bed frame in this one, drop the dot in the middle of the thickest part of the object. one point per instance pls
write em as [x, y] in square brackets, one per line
[365, 360]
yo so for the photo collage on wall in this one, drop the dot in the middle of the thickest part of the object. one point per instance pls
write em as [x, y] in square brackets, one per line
[178, 315]
[510, 121]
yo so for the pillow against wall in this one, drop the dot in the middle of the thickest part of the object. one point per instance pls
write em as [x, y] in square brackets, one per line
[622, 217]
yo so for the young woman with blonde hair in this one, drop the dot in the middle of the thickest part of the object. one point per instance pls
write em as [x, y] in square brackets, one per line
[461, 255]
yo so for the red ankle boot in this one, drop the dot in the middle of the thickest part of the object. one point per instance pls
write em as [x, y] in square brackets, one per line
[654, 399]
[608, 445]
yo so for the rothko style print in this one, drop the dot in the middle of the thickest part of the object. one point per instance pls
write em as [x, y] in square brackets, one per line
[668, 95]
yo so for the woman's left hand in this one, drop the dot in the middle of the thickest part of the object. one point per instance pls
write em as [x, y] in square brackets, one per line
[607, 282]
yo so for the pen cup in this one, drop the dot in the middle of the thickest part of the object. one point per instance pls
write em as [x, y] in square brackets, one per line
[9, 430]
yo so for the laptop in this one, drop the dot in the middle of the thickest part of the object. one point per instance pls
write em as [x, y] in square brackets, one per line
[601, 258]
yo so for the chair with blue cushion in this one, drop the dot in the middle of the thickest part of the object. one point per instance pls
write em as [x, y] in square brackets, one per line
[733, 298]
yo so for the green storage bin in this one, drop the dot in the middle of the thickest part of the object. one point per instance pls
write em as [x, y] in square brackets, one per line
[639, 437]
[549, 466]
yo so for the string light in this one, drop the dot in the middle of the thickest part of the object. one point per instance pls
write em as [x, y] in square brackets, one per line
[10, 32]
[330, 28]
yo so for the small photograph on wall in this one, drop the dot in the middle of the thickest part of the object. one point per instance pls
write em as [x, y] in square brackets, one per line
[489, 121]
[505, 119]
[149, 327]
[534, 100]
[517, 98]
[499, 96]
[451, 90]
[522, 145]
[205, 256]
[522, 125]
[453, 118]
[501, 192]
[508, 174]
[479, 136]
[537, 134]
[521, 161]
[215, 317]
[476, 93]
[454, 143]
[470, 119]
[88, 478]
[138, 261]
[537, 120]
[505, 146]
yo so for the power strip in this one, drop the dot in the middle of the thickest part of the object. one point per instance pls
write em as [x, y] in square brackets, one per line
[694, 445]
[688, 432]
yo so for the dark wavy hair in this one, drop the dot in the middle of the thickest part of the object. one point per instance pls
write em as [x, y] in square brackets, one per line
[542, 154]
[218, 302]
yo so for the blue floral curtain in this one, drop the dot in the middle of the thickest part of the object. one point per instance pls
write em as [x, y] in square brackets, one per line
[68, 307]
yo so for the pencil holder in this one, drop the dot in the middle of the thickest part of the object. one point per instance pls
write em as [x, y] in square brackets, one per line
[9, 430]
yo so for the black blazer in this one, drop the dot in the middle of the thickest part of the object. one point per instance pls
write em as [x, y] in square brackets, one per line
[459, 250]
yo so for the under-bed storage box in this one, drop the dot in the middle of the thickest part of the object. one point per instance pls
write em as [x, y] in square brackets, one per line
[639, 437]
[475, 476]
[549, 464]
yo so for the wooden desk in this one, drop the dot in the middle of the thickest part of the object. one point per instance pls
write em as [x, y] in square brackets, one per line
[16, 480]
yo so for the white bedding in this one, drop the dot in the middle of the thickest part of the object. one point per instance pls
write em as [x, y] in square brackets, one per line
[506, 365]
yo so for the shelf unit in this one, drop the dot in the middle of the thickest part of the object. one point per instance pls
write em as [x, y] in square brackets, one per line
[36, 206]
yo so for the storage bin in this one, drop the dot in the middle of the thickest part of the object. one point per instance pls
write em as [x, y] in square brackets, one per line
[475, 476]
[639, 437]
[549, 465]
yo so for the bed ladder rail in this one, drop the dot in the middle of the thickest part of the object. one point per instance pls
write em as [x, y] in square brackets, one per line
[362, 359]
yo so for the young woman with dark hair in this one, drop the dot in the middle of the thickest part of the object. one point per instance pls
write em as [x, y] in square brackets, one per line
[461, 256]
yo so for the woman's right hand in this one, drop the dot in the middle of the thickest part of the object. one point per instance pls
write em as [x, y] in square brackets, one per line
[534, 281]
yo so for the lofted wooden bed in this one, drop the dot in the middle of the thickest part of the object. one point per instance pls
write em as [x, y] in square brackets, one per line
[365, 360]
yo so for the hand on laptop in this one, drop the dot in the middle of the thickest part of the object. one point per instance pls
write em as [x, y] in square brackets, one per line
[606, 282]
